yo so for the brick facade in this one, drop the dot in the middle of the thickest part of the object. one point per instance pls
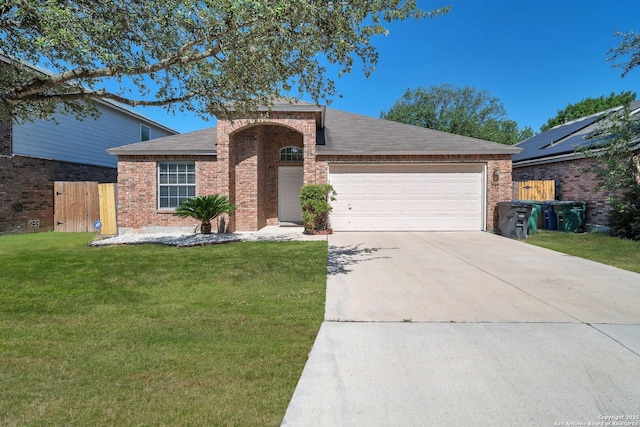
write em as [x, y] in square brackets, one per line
[138, 191]
[248, 156]
[246, 170]
[571, 184]
[26, 189]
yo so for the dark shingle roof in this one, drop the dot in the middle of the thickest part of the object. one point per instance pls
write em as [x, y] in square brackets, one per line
[343, 134]
[201, 142]
[348, 133]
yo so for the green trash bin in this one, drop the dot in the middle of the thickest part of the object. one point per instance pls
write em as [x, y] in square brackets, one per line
[570, 215]
[534, 219]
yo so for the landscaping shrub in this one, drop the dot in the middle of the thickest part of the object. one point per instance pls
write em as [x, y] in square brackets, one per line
[315, 202]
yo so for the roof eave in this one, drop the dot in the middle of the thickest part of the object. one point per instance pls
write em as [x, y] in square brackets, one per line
[117, 152]
[416, 153]
[541, 160]
[544, 160]
[134, 114]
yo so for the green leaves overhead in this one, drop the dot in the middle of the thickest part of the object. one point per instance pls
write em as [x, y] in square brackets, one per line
[628, 50]
[203, 55]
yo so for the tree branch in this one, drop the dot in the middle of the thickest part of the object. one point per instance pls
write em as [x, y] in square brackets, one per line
[84, 95]
[39, 85]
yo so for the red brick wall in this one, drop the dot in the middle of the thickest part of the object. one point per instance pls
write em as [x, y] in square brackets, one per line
[26, 189]
[256, 155]
[244, 151]
[138, 191]
[248, 156]
[571, 184]
[497, 191]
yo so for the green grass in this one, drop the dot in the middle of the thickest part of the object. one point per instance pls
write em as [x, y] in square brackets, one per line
[154, 335]
[598, 247]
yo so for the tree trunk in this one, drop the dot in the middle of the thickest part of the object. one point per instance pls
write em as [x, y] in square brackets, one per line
[205, 228]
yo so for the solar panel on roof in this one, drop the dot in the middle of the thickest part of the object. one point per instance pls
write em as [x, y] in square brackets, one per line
[536, 146]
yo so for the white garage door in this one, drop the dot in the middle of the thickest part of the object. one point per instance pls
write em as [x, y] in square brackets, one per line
[407, 197]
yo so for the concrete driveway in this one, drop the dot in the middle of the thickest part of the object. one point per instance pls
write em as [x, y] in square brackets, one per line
[470, 329]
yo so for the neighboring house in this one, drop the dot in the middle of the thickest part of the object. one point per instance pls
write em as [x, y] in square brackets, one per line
[387, 175]
[34, 155]
[551, 156]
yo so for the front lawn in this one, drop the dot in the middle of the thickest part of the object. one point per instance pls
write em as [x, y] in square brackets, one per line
[598, 247]
[154, 335]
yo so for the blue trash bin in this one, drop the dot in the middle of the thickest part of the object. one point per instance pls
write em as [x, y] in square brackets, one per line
[549, 218]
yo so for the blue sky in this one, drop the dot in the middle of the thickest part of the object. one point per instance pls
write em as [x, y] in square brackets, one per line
[535, 56]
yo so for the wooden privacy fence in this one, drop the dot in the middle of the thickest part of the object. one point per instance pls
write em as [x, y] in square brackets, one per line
[78, 205]
[107, 199]
[534, 190]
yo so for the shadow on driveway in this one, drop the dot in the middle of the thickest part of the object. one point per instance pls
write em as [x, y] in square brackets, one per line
[343, 258]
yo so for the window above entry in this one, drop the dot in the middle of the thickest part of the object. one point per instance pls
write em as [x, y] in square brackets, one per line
[291, 154]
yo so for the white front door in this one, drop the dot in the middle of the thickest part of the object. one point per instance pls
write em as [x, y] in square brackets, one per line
[290, 179]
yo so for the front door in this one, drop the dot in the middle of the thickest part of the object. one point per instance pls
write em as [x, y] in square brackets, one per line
[290, 179]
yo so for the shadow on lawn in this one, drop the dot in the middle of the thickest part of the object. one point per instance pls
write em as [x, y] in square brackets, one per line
[342, 257]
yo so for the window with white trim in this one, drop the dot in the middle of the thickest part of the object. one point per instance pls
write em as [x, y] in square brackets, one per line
[176, 182]
[291, 154]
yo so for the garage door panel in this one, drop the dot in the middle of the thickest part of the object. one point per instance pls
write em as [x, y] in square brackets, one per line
[433, 197]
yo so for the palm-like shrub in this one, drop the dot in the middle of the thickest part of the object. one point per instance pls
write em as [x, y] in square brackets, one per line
[205, 209]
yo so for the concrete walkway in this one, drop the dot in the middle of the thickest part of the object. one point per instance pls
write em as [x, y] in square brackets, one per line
[470, 329]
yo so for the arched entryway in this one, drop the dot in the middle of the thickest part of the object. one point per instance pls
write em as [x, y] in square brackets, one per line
[265, 175]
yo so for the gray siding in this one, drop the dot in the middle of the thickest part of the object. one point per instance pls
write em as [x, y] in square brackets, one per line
[85, 141]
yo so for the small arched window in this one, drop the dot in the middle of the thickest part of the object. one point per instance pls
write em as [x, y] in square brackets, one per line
[291, 154]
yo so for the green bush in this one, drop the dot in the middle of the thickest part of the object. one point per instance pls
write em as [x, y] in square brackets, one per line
[625, 214]
[617, 167]
[315, 202]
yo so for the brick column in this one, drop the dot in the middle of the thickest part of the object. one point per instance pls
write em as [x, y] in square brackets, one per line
[245, 160]
[309, 151]
[225, 165]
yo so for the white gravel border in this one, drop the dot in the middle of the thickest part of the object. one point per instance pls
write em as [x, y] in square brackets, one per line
[184, 240]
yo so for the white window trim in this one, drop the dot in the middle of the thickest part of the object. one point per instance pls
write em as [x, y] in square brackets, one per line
[160, 185]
